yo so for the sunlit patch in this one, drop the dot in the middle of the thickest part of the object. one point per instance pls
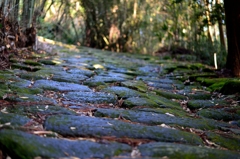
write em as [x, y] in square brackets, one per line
[4, 110]
[78, 56]
[98, 66]
[57, 61]
[73, 128]
[23, 97]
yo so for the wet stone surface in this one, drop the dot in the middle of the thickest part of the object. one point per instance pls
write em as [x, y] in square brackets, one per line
[88, 103]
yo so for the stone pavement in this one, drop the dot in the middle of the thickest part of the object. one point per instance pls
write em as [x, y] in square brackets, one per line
[87, 103]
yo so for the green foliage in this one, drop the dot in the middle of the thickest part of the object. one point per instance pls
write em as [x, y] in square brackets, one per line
[204, 50]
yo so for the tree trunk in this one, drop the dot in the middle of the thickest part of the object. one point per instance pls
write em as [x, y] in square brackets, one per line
[232, 11]
[220, 27]
[16, 10]
[207, 13]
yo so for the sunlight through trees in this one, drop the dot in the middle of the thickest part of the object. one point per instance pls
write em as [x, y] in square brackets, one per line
[124, 25]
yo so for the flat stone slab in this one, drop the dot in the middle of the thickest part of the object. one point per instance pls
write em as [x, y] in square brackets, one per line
[60, 86]
[84, 126]
[174, 150]
[84, 72]
[101, 80]
[24, 145]
[91, 97]
[157, 79]
[152, 118]
[123, 92]
[69, 77]
[13, 119]
[166, 86]
[57, 74]
[170, 95]
[220, 114]
[151, 69]
[35, 98]
[139, 101]
[196, 104]
[177, 113]
[136, 85]
[41, 109]
[151, 100]
[231, 142]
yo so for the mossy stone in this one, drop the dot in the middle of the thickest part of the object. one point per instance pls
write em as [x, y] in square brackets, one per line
[216, 86]
[231, 87]
[163, 102]
[123, 92]
[208, 81]
[152, 118]
[218, 114]
[139, 101]
[174, 150]
[200, 76]
[196, 104]
[230, 142]
[13, 119]
[18, 144]
[25, 67]
[169, 95]
[178, 112]
[99, 127]
[137, 85]
[199, 96]
[32, 63]
[47, 62]
[40, 109]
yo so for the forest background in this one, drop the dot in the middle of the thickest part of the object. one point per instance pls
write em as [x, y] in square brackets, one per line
[193, 27]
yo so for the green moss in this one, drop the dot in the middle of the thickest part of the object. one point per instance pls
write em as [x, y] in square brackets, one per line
[13, 143]
[116, 152]
[26, 90]
[231, 87]
[167, 57]
[41, 74]
[227, 141]
[179, 113]
[32, 63]
[199, 96]
[196, 104]
[169, 95]
[163, 102]
[169, 69]
[47, 62]
[200, 76]
[217, 86]
[99, 84]
[238, 112]
[137, 85]
[25, 67]
[208, 81]
[135, 101]
[181, 70]
[175, 151]
[218, 114]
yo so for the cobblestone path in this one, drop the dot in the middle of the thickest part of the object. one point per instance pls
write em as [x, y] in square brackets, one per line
[87, 103]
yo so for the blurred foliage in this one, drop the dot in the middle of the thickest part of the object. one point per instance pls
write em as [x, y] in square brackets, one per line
[138, 26]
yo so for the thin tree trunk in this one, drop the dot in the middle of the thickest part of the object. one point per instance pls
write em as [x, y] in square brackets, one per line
[5, 7]
[220, 27]
[16, 9]
[232, 12]
[135, 9]
[31, 9]
[207, 12]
